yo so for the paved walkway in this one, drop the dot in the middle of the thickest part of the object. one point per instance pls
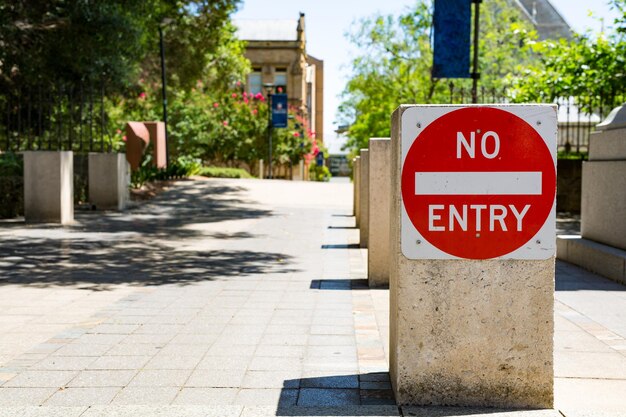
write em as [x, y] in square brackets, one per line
[239, 298]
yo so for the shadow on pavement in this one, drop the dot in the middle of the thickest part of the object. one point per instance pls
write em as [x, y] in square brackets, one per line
[342, 284]
[342, 246]
[170, 240]
[572, 278]
[335, 395]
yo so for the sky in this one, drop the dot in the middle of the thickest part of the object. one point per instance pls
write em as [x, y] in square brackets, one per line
[327, 21]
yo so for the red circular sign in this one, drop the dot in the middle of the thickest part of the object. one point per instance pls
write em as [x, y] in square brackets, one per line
[478, 183]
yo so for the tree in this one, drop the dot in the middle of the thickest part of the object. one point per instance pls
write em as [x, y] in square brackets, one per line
[396, 64]
[72, 41]
[589, 68]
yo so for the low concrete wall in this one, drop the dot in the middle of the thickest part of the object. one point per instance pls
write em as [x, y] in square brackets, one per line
[48, 187]
[601, 259]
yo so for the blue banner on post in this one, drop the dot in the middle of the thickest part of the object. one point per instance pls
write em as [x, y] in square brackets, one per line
[319, 159]
[452, 25]
[279, 110]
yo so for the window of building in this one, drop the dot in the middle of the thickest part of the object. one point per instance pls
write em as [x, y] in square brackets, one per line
[280, 80]
[255, 81]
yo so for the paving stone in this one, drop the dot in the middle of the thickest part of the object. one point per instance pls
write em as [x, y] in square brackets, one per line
[328, 397]
[119, 362]
[31, 411]
[276, 397]
[173, 362]
[475, 412]
[64, 363]
[333, 381]
[141, 349]
[103, 378]
[79, 396]
[271, 379]
[24, 396]
[165, 410]
[160, 378]
[346, 411]
[262, 363]
[215, 379]
[82, 349]
[224, 362]
[41, 379]
[146, 396]
[207, 396]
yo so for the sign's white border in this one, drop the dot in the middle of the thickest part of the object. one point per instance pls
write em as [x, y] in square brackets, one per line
[540, 117]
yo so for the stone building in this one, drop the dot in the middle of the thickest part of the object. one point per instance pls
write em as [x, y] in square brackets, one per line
[277, 51]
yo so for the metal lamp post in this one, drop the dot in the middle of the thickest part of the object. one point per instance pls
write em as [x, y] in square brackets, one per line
[164, 23]
[269, 87]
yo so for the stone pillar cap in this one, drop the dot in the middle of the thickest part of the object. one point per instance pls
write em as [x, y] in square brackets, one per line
[615, 120]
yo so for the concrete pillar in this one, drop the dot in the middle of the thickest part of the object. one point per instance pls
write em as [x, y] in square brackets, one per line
[603, 204]
[364, 191]
[49, 187]
[379, 202]
[109, 180]
[357, 190]
[354, 186]
[467, 332]
[261, 169]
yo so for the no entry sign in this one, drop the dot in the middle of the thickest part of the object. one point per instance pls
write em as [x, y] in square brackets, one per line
[479, 182]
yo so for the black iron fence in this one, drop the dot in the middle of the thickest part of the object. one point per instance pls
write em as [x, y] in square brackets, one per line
[54, 117]
[577, 116]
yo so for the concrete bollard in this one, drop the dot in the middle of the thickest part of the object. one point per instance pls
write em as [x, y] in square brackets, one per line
[49, 187]
[108, 181]
[469, 332]
[261, 169]
[354, 186]
[379, 202]
[357, 191]
[364, 198]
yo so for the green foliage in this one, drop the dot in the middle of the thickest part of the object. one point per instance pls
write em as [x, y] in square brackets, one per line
[11, 164]
[11, 185]
[182, 167]
[71, 41]
[586, 66]
[221, 172]
[319, 173]
[572, 155]
[396, 65]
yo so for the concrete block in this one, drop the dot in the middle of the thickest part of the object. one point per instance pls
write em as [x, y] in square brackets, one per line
[261, 170]
[467, 332]
[379, 202]
[357, 190]
[364, 198]
[109, 180]
[159, 143]
[137, 140]
[604, 260]
[608, 145]
[603, 205]
[49, 187]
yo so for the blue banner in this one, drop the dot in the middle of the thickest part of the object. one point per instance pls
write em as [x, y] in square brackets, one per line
[452, 26]
[279, 110]
[319, 159]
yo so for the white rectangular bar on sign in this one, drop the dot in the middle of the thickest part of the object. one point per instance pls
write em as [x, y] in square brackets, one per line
[477, 183]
